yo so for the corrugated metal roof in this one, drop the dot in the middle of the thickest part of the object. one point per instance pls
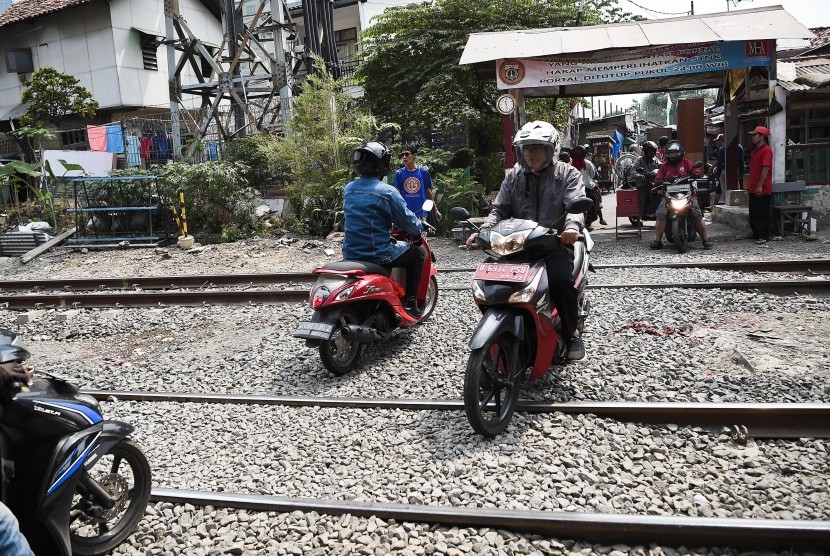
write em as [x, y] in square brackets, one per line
[772, 22]
[808, 78]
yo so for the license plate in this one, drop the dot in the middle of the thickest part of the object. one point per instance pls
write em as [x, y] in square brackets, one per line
[314, 330]
[679, 188]
[502, 272]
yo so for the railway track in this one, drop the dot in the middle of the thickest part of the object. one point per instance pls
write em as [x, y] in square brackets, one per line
[204, 281]
[757, 420]
[748, 534]
[192, 298]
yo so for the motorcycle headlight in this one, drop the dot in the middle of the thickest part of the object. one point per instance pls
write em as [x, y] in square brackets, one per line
[525, 294]
[511, 243]
[478, 293]
[678, 204]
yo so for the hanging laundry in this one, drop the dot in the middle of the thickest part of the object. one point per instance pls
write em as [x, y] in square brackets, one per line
[213, 150]
[163, 146]
[115, 139]
[133, 151]
[97, 136]
[144, 150]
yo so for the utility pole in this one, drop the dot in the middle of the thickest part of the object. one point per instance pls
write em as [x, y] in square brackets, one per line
[692, 12]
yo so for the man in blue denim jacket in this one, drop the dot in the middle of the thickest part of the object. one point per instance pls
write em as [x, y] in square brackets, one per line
[371, 207]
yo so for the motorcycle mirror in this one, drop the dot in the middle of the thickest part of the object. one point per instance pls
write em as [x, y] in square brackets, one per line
[428, 205]
[459, 213]
[580, 204]
[697, 164]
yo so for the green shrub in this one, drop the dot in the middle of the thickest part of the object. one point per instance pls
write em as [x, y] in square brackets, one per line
[217, 196]
[253, 153]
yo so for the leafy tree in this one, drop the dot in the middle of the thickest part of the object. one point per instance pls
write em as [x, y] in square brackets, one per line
[410, 68]
[315, 155]
[54, 96]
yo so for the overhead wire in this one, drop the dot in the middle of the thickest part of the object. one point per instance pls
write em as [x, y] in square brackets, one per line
[655, 11]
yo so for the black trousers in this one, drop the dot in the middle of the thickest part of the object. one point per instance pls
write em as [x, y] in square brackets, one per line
[413, 261]
[760, 215]
[565, 297]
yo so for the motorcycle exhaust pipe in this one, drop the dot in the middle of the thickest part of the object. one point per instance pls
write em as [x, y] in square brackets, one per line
[362, 334]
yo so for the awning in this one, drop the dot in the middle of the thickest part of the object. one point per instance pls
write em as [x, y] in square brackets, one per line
[150, 32]
[14, 112]
[740, 25]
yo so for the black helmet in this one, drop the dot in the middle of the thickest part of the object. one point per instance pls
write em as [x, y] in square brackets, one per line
[663, 140]
[372, 160]
[650, 146]
[675, 152]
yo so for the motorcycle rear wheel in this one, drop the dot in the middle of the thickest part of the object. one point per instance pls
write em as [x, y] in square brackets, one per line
[491, 385]
[124, 474]
[432, 299]
[338, 354]
[679, 237]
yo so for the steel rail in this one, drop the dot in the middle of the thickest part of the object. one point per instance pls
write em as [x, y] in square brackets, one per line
[225, 297]
[745, 534]
[218, 280]
[760, 420]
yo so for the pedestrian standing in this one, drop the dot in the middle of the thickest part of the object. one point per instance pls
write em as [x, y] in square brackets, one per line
[414, 183]
[720, 168]
[760, 184]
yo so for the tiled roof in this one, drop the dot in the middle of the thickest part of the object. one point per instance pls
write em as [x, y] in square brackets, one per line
[29, 9]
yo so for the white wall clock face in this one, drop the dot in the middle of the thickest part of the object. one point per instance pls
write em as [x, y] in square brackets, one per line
[505, 104]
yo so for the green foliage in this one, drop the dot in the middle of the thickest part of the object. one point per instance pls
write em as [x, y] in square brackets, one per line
[456, 188]
[252, 152]
[315, 155]
[410, 70]
[217, 197]
[55, 95]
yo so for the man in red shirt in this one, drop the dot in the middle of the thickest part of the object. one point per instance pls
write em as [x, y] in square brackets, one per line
[760, 184]
[675, 166]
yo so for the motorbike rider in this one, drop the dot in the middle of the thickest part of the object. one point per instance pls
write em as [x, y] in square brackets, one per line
[537, 188]
[676, 165]
[643, 166]
[589, 175]
[12, 541]
[661, 148]
[371, 208]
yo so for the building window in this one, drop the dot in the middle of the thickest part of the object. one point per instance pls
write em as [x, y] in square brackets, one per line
[19, 60]
[149, 51]
[345, 41]
[250, 9]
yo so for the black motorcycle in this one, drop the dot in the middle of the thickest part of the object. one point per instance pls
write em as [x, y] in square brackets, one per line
[679, 193]
[74, 480]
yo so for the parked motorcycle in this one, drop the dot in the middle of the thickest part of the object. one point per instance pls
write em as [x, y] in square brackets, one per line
[680, 228]
[75, 481]
[359, 302]
[520, 327]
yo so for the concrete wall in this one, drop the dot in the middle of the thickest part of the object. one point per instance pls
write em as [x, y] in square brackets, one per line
[96, 44]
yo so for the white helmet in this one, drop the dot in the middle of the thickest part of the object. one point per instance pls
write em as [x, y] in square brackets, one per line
[537, 133]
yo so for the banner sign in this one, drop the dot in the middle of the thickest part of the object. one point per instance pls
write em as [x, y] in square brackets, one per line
[640, 63]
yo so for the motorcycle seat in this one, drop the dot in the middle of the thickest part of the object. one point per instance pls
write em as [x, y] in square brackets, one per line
[365, 266]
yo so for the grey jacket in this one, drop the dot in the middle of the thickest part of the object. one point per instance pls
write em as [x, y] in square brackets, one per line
[539, 198]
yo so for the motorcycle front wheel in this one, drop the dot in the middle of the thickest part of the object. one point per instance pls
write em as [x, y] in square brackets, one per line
[679, 236]
[338, 354]
[124, 474]
[491, 385]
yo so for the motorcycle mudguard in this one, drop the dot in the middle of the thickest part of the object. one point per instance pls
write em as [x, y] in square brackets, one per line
[495, 322]
[81, 449]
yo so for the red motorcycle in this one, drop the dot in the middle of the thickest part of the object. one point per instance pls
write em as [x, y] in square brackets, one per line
[358, 302]
[518, 336]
